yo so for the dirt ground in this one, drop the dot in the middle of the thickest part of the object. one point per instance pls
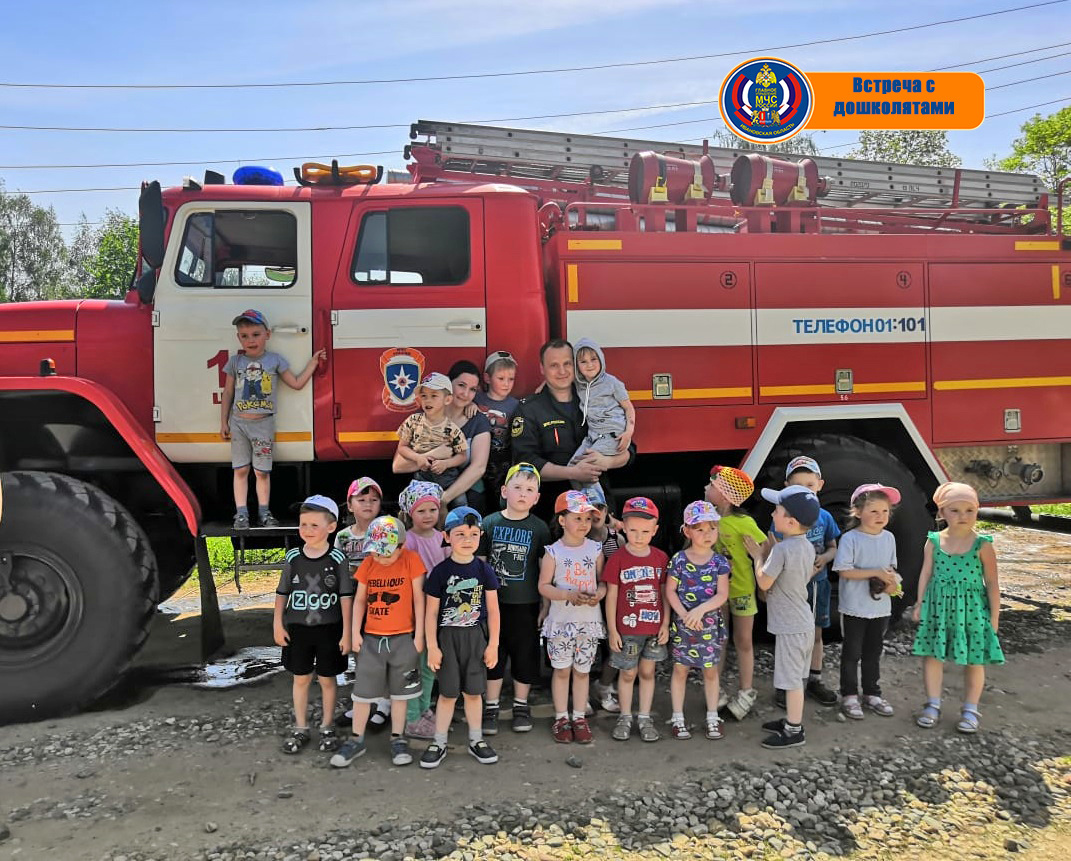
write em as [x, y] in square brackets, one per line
[130, 784]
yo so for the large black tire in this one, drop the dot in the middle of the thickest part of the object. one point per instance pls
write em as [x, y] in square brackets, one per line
[849, 461]
[79, 593]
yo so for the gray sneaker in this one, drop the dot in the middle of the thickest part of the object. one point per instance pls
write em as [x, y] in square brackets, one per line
[241, 521]
[522, 717]
[349, 751]
[399, 752]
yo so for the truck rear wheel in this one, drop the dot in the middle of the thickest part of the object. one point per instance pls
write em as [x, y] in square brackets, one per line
[849, 461]
[78, 588]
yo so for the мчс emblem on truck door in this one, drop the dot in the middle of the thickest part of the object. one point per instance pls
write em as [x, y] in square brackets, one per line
[402, 369]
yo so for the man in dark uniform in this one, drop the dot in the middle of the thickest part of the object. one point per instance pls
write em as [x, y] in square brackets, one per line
[548, 427]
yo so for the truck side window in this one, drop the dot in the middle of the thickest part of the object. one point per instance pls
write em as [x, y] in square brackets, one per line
[238, 248]
[411, 245]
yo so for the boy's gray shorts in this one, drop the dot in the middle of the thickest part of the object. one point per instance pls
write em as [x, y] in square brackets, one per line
[252, 441]
[387, 667]
[792, 660]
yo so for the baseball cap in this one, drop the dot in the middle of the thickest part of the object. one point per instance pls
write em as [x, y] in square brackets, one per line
[698, 512]
[463, 515]
[360, 485]
[417, 492]
[251, 315]
[735, 484]
[640, 506]
[385, 535]
[522, 467]
[573, 501]
[497, 356]
[435, 380]
[803, 462]
[798, 501]
[595, 495]
[891, 492]
[318, 502]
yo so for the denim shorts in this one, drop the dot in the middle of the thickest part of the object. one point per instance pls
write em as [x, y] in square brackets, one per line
[818, 592]
[634, 649]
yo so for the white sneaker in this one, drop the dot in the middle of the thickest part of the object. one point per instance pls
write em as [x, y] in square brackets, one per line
[741, 704]
[607, 699]
[723, 699]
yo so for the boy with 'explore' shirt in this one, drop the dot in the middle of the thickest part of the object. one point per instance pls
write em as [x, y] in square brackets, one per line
[513, 542]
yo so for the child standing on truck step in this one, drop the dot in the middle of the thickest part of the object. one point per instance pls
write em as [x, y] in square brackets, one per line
[462, 629]
[727, 490]
[363, 500]
[569, 579]
[604, 404]
[388, 636]
[248, 411]
[313, 614]
[959, 605]
[697, 587]
[513, 542]
[805, 472]
[430, 440]
[866, 555]
[419, 506]
[636, 619]
[499, 405]
[782, 571]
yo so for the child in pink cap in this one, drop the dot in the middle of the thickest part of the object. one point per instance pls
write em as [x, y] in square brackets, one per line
[959, 605]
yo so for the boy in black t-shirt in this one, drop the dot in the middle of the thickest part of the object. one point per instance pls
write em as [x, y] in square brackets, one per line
[313, 613]
[462, 598]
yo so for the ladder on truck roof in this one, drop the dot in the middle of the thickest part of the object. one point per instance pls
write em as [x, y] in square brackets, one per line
[536, 158]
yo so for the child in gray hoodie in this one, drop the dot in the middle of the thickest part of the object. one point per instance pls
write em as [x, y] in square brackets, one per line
[604, 403]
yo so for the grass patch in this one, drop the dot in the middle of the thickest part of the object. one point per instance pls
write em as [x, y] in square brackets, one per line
[1062, 509]
[221, 558]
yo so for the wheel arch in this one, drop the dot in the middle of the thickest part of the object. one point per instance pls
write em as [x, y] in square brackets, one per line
[886, 425]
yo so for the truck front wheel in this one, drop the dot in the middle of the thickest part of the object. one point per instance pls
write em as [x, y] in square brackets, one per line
[78, 588]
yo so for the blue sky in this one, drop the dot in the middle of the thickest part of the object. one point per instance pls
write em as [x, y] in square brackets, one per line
[236, 42]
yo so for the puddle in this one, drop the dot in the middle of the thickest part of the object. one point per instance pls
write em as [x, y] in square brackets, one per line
[246, 666]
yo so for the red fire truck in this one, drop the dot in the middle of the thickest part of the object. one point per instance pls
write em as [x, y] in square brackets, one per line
[900, 324]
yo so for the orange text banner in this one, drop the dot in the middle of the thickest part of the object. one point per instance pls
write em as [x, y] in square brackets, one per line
[896, 100]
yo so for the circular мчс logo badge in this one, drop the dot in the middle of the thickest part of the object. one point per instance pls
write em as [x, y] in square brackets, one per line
[765, 100]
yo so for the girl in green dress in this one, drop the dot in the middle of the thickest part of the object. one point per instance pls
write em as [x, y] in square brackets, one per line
[959, 605]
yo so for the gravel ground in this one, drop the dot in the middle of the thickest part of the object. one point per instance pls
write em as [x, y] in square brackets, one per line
[187, 774]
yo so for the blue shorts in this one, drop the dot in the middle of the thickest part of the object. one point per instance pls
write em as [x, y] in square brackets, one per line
[818, 597]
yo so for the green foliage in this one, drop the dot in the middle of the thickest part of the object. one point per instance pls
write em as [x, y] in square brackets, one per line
[801, 144]
[906, 147]
[102, 259]
[33, 254]
[1044, 148]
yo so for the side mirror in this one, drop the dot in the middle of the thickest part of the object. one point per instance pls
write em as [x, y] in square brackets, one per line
[151, 224]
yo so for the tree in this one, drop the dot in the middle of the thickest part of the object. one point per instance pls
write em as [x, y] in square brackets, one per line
[801, 144]
[906, 147]
[1044, 148]
[32, 251]
[101, 260]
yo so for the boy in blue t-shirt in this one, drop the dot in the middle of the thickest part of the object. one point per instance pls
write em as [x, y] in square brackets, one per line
[462, 597]
[805, 472]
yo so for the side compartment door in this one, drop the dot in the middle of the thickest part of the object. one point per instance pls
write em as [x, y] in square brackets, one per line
[408, 300]
[222, 259]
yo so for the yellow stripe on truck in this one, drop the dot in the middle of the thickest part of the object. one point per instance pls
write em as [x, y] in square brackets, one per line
[282, 436]
[22, 336]
[1000, 383]
[368, 436]
[693, 394]
[594, 245]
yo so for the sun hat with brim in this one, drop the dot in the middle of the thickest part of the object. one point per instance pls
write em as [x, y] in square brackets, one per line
[385, 535]
[700, 511]
[734, 484]
[417, 493]
[798, 501]
[435, 380]
[317, 502]
[360, 485]
[572, 501]
[891, 492]
[954, 491]
[251, 315]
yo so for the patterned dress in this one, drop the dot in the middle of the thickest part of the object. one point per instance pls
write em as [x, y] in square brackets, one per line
[954, 619]
[697, 584]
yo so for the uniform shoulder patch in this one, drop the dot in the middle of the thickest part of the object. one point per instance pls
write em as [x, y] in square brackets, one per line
[516, 427]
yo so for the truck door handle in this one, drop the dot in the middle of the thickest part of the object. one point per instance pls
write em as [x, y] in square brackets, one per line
[465, 326]
[291, 329]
